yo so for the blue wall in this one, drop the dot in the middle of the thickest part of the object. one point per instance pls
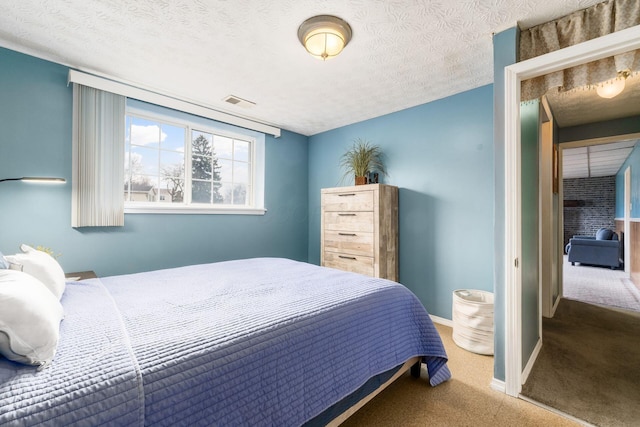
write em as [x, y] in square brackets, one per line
[624, 126]
[35, 139]
[505, 53]
[634, 161]
[440, 155]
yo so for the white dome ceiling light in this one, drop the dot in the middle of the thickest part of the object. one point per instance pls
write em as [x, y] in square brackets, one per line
[324, 36]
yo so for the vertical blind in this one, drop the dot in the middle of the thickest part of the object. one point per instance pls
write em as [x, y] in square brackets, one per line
[98, 158]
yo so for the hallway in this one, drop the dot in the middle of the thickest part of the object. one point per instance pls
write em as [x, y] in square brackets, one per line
[589, 363]
[598, 285]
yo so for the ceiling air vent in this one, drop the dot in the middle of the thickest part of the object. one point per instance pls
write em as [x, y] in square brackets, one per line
[232, 99]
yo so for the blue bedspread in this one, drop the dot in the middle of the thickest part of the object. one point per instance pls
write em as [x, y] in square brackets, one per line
[252, 342]
[93, 379]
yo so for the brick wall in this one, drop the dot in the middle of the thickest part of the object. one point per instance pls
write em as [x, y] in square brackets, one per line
[595, 199]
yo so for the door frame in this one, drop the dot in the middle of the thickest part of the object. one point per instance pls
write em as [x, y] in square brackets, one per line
[550, 241]
[601, 47]
[626, 241]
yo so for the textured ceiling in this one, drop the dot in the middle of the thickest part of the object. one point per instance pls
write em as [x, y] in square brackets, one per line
[584, 106]
[403, 53]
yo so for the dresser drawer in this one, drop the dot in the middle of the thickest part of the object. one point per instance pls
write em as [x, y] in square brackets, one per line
[355, 264]
[349, 221]
[348, 201]
[359, 243]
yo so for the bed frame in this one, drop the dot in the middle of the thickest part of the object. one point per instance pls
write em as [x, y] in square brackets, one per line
[412, 364]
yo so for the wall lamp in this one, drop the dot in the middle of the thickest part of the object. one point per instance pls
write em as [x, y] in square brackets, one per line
[37, 179]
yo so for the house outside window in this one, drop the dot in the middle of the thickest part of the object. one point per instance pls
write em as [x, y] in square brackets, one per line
[185, 165]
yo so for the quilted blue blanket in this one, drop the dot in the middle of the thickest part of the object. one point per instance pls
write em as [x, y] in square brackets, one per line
[251, 342]
[93, 379]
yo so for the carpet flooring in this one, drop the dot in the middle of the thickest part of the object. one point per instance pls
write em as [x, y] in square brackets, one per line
[589, 365]
[593, 393]
[600, 285]
[465, 400]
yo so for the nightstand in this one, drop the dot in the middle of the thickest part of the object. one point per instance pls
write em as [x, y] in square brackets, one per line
[81, 275]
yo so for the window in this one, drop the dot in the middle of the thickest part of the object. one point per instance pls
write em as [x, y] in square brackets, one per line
[153, 161]
[180, 163]
[220, 169]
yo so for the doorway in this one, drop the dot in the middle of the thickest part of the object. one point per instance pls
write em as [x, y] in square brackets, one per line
[558, 375]
[592, 175]
[595, 49]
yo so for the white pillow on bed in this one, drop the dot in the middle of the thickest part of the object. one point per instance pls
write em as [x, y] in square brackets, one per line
[29, 319]
[42, 266]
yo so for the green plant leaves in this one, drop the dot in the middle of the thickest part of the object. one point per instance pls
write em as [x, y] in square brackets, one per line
[362, 158]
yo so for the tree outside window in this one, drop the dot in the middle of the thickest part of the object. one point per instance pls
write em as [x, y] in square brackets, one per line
[205, 171]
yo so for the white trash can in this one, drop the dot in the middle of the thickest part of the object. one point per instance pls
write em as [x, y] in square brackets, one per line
[473, 320]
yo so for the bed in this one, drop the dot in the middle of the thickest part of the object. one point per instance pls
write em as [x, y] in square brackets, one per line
[262, 341]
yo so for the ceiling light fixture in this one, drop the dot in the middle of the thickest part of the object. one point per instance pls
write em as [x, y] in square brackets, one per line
[324, 36]
[614, 87]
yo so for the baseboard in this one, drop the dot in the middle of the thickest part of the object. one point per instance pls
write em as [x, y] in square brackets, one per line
[498, 385]
[441, 321]
[534, 355]
[555, 306]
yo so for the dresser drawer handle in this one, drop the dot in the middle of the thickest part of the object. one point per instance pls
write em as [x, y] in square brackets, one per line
[341, 214]
[347, 234]
[346, 194]
[347, 257]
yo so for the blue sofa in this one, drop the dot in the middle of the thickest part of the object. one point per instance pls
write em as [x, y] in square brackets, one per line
[604, 249]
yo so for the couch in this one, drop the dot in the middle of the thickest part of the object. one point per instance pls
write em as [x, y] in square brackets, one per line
[604, 249]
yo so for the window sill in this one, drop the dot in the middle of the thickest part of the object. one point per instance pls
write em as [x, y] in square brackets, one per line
[193, 210]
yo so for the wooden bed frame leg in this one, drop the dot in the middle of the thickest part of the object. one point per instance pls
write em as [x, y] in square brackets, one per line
[415, 370]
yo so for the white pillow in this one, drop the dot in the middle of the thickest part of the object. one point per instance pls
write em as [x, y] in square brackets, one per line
[42, 266]
[29, 319]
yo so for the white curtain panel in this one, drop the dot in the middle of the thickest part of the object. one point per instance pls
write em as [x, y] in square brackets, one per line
[596, 21]
[98, 157]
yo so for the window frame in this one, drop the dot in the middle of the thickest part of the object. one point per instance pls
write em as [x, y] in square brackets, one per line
[257, 170]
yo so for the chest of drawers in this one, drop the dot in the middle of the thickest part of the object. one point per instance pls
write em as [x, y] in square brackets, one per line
[359, 229]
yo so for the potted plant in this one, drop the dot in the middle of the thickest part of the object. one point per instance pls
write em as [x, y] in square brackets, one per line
[362, 158]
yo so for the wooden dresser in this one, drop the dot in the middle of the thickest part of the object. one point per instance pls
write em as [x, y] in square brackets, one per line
[359, 229]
